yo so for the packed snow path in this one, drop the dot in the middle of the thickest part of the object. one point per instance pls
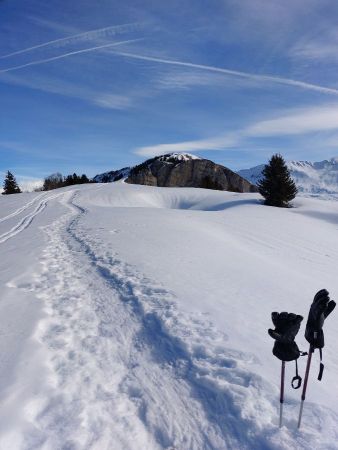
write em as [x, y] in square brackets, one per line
[121, 379]
[125, 367]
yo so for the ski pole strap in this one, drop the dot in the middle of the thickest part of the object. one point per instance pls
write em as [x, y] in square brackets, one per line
[296, 380]
[321, 366]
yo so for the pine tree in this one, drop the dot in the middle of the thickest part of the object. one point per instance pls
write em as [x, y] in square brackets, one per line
[76, 178]
[84, 179]
[69, 181]
[10, 185]
[277, 186]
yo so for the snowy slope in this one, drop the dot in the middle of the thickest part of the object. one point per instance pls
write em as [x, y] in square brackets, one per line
[253, 175]
[134, 317]
[113, 175]
[310, 178]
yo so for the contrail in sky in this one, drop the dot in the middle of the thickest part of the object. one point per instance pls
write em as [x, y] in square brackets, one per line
[65, 55]
[112, 30]
[247, 75]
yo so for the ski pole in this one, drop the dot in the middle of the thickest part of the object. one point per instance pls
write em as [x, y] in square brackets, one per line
[308, 364]
[281, 399]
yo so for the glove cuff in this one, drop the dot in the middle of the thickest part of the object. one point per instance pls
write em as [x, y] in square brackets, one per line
[315, 338]
[286, 352]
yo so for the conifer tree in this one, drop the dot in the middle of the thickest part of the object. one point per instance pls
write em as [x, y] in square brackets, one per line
[277, 186]
[84, 179]
[69, 180]
[10, 185]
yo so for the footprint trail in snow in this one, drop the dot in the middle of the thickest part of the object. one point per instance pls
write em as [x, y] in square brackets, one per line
[128, 369]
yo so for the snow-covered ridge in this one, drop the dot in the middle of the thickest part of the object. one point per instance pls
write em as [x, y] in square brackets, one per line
[112, 175]
[177, 156]
[310, 177]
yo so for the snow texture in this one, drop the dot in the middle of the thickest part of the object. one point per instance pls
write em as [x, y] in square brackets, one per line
[178, 157]
[136, 317]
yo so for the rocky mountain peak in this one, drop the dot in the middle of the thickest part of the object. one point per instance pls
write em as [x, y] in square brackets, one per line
[185, 170]
[180, 170]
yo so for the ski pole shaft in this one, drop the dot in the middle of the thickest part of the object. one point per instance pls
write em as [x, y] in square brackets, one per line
[281, 399]
[307, 371]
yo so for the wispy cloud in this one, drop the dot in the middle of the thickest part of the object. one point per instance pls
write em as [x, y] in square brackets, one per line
[322, 48]
[316, 51]
[235, 73]
[104, 99]
[79, 37]
[179, 79]
[300, 121]
[66, 55]
[294, 122]
[113, 101]
[14, 146]
[214, 143]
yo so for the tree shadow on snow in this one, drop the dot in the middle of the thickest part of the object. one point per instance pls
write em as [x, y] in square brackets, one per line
[232, 204]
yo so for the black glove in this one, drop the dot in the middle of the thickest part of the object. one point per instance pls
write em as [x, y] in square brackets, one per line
[321, 307]
[286, 327]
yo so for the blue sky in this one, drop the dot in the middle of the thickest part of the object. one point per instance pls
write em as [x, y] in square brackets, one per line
[91, 86]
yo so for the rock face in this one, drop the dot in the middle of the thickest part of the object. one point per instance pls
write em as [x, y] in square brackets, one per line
[184, 170]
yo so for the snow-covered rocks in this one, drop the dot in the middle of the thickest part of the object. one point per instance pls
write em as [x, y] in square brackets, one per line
[112, 176]
[178, 157]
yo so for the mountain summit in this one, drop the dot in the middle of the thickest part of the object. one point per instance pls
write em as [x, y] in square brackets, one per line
[181, 170]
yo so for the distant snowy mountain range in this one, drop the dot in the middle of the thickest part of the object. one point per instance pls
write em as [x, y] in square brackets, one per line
[310, 177]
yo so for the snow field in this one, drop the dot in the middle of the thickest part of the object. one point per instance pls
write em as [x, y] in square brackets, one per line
[136, 348]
